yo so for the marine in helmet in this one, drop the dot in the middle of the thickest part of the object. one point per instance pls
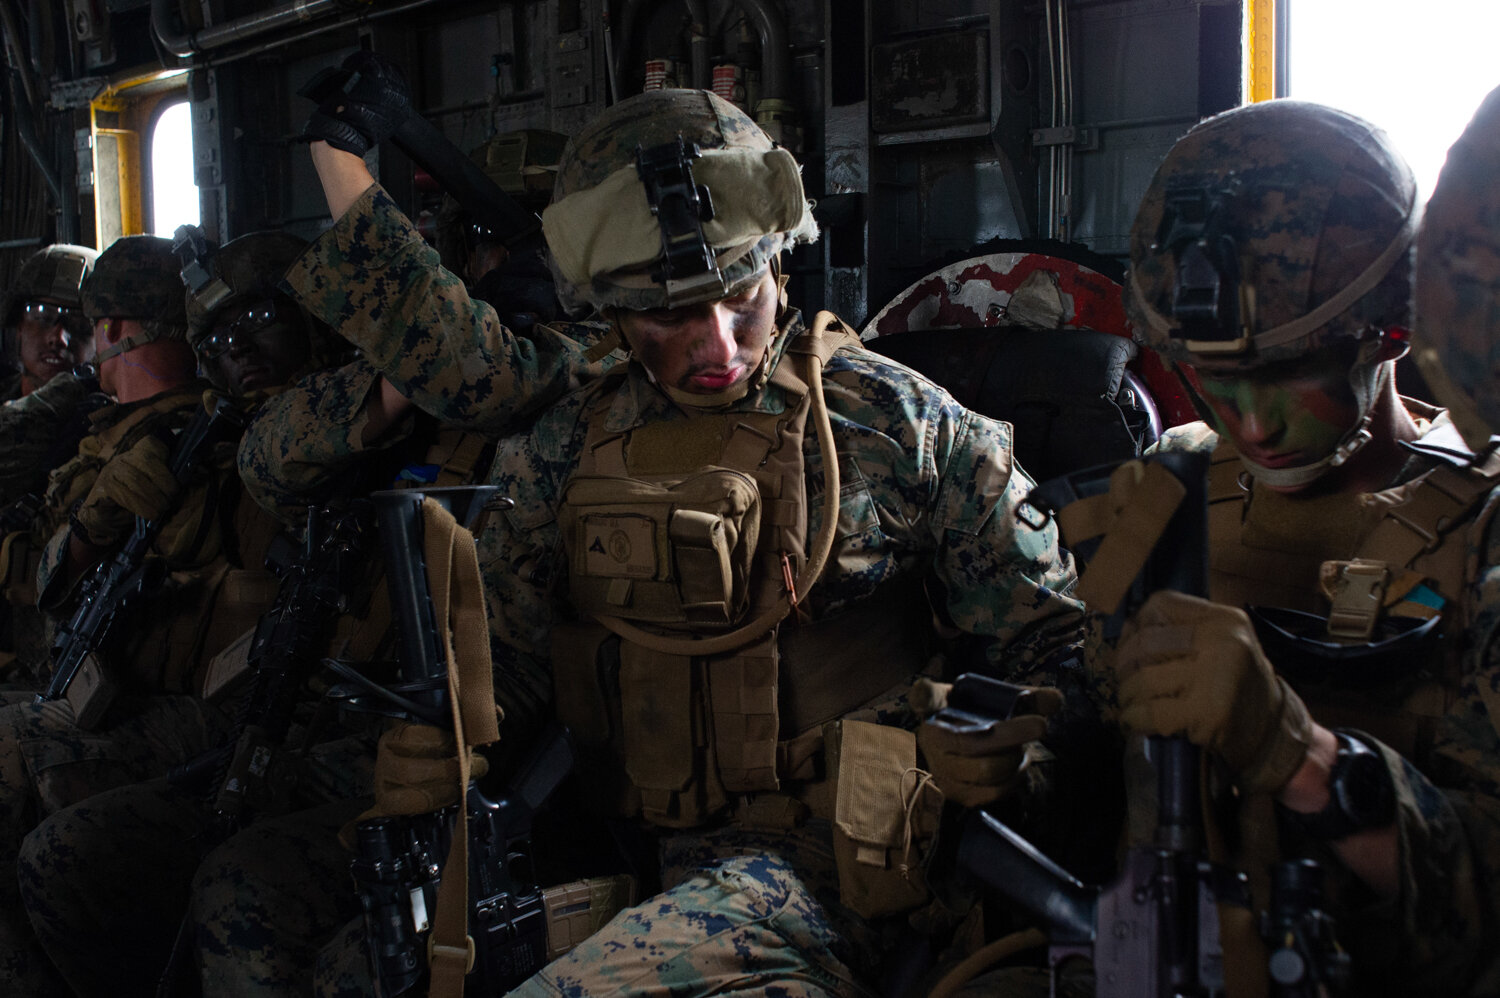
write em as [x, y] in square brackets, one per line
[46, 332]
[1458, 281]
[49, 340]
[250, 336]
[1335, 674]
[866, 497]
[208, 557]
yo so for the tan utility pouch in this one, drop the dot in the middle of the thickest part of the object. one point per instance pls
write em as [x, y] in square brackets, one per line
[91, 693]
[229, 670]
[669, 750]
[674, 551]
[885, 810]
[576, 911]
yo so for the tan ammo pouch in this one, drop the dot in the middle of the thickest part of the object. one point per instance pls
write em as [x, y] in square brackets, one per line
[666, 551]
[576, 911]
[885, 811]
[243, 597]
[227, 671]
[19, 561]
[681, 736]
[670, 752]
[91, 693]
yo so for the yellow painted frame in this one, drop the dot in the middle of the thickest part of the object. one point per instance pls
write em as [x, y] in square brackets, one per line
[1260, 45]
[135, 111]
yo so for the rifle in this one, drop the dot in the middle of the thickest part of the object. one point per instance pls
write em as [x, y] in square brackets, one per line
[398, 858]
[286, 647]
[122, 582]
[287, 644]
[1154, 931]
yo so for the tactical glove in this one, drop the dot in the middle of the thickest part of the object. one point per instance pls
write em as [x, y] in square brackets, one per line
[978, 764]
[135, 482]
[1188, 666]
[360, 104]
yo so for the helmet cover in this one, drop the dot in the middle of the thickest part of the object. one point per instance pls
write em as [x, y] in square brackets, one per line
[1457, 346]
[612, 231]
[1269, 232]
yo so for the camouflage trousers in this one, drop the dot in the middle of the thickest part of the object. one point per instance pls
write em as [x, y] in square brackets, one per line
[47, 763]
[109, 881]
[743, 912]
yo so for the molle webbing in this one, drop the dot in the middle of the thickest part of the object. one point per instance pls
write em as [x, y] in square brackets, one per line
[741, 684]
[1224, 471]
[456, 454]
[724, 738]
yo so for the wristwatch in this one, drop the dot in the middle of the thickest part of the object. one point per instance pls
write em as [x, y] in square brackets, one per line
[1360, 793]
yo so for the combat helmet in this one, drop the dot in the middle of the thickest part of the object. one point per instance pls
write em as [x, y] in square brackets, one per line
[54, 273]
[1269, 232]
[670, 198]
[1457, 346]
[242, 272]
[136, 277]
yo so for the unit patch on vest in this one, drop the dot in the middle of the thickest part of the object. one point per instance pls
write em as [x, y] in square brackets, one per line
[619, 547]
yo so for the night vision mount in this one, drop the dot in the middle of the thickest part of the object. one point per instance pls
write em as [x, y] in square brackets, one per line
[681, 206]
[1213, 307]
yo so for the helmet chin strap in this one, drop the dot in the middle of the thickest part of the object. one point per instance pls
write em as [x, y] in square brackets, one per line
[1302, 474]
[1366, 377]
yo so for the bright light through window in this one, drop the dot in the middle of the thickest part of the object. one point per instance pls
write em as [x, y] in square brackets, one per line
[1418, 70]
[174, 196]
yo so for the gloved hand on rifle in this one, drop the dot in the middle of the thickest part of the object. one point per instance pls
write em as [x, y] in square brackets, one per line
[978, 765]
[1192, 667]
[360, 104]
[134, 482]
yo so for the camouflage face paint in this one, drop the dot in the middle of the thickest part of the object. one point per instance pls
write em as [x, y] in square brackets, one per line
[1283, 415]
[706, 348]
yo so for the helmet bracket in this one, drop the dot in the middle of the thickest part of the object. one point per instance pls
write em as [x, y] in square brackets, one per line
[681, 206]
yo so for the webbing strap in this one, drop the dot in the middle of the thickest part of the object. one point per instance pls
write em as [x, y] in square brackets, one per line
[1440, 501]
[458, 604]
[1143, 499]
[456, 454]
[1243, 950]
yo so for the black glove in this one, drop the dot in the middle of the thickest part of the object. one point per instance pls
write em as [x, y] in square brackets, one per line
[360, 104]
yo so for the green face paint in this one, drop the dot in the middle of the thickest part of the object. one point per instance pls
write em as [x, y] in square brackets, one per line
[1284, 415]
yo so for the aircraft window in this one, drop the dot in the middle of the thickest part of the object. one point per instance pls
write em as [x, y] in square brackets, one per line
[1420, 76]
[174, 196]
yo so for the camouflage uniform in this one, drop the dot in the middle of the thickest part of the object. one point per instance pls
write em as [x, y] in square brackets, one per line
[1340, 220]
[42, 431]
[925, 483]
[202, 603]
[929, 494]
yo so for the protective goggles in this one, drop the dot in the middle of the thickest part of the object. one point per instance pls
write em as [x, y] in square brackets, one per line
[48, 314]
[247, 324]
